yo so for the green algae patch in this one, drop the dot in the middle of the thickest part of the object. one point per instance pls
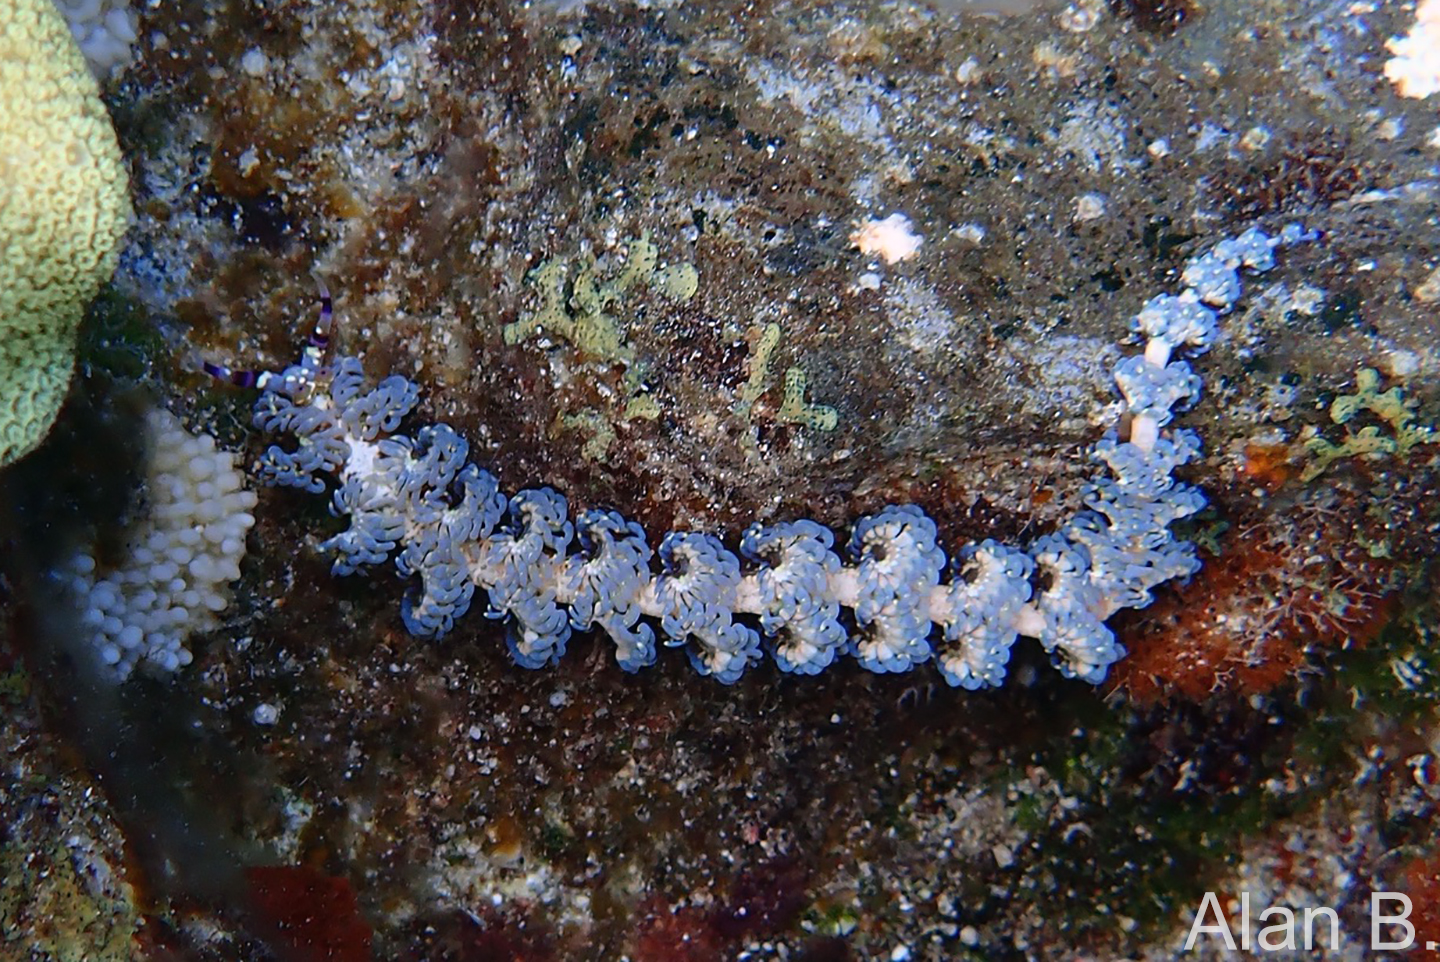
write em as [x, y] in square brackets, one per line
[602, 433]
[793, 407]
[1397, 677]
[592, 316]
[766, 339]
[578, 307]
[1161, 804]
[795, 410]
[1391, 407]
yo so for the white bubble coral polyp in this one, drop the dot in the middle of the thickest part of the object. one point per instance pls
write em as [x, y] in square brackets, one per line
[105, 31]
[179, 557]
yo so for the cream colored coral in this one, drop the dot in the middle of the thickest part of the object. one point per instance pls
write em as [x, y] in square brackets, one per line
[63, 208]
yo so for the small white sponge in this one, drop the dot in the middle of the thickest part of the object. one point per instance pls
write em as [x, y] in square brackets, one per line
[179, 557]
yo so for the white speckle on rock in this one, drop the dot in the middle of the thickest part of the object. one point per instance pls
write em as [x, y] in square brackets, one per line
[971, 233]
[891, 238]
[1080, 17]
[1255, 138]
[255, 63]
[1400, 364]
[1429, 290]
[247, 162]
[1089, 207]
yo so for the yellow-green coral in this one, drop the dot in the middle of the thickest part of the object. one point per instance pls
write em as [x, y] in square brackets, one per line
[56, 912]
[602, 433]
[602, 430]
[1390, 406]
[65, 896]
[63, 209]
[584, 317]
[642, 407]
[754, 386]
[793, 408]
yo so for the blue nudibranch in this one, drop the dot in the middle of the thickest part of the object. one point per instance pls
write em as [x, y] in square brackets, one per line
[549, 576]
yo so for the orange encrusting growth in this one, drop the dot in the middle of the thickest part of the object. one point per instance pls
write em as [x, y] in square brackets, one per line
[1268, 464]
[1420, 879]
[1282, 589]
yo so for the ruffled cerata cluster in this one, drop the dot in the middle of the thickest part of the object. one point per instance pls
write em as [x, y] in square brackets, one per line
[887, 596]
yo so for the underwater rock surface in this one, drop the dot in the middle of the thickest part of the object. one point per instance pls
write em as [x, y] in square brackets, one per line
[645, 255]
